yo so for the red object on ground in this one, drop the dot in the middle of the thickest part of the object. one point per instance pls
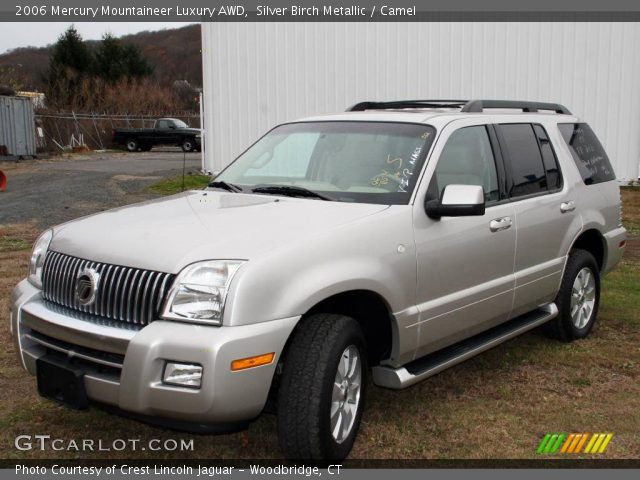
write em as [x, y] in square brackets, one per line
[3, 181]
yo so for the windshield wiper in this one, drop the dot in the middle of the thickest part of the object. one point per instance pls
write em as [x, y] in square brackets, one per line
[230, 187]
[289, 190]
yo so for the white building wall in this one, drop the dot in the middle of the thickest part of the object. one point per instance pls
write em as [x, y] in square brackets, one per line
[259, 74]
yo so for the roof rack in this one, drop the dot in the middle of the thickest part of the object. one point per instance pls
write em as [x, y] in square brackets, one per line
[399, 104]
[480, 105]
[470, 106]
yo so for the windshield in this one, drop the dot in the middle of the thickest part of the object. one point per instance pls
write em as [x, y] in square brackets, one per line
[180, 124]
[366, 162]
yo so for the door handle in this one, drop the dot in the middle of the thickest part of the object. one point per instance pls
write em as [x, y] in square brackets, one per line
[569, 206]
[498, 224]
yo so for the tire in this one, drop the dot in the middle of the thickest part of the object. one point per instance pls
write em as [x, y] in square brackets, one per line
[188, 145]
[132, 145]
[580, 286]
[307, 397]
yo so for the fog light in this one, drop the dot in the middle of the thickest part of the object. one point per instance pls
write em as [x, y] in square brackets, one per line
[182, 374]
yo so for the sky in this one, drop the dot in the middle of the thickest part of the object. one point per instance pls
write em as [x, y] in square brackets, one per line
[39, 34]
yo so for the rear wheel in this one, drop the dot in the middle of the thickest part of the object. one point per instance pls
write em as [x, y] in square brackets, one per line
[578, 298]
[132, 145]
[322, 390]
[188, 145]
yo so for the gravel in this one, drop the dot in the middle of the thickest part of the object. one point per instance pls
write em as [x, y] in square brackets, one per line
[51, 192]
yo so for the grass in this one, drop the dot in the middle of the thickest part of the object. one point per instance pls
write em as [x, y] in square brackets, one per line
[13, 244]
[172, 185]
[497, 405]
[631, 210]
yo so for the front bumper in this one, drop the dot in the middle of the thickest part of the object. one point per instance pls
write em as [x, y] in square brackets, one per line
[123, 366]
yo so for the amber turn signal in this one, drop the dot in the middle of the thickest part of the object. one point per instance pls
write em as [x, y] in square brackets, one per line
[250, 362]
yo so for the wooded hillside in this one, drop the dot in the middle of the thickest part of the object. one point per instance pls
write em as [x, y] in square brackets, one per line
[174, 54]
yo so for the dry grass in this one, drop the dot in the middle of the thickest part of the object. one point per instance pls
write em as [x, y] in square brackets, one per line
[631, 209]
[495, 406]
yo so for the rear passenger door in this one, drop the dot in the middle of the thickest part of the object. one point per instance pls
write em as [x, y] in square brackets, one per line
[544, 212]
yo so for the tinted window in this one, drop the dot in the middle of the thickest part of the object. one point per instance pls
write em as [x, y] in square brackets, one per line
[467, 159]
[527, 170]
[587, 152]
[554, 176]
[162, 124]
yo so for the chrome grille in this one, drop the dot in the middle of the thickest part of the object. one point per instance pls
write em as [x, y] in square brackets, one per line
[124, 294]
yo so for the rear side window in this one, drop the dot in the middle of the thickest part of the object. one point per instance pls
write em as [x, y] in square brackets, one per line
[587, 152]
[527, 169]
[554, 176]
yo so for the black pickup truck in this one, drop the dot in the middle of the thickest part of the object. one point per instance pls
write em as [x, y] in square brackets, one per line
[166, 131]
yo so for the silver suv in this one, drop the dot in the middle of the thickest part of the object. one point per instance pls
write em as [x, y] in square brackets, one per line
[396, 239]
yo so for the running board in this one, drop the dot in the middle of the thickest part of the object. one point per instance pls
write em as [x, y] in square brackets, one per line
[435, 362]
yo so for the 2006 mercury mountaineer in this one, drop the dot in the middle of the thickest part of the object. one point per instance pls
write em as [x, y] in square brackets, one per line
[397, 238]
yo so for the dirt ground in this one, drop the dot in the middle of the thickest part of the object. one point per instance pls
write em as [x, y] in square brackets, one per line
[495, 406]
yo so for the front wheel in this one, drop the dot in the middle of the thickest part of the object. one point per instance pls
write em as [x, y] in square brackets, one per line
[578, 298]
[322, 389]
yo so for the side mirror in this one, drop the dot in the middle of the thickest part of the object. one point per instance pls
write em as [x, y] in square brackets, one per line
[172, 126]
[457, 201]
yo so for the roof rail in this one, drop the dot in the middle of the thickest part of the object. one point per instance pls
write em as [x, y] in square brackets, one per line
[399, 104]
[480, 105]
[463, 105]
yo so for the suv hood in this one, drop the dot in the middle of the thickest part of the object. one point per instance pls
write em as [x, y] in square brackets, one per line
[168, 233]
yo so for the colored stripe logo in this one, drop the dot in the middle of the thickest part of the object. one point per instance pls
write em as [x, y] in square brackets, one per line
[574, 443]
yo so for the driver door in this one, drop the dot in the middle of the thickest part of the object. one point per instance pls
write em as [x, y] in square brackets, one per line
[465, 278]
[164, 134]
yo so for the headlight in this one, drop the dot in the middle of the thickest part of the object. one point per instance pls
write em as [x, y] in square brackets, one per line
[37, 258]
[199, 292]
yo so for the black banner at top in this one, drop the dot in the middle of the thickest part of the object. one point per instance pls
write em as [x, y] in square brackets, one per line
[316, 11]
